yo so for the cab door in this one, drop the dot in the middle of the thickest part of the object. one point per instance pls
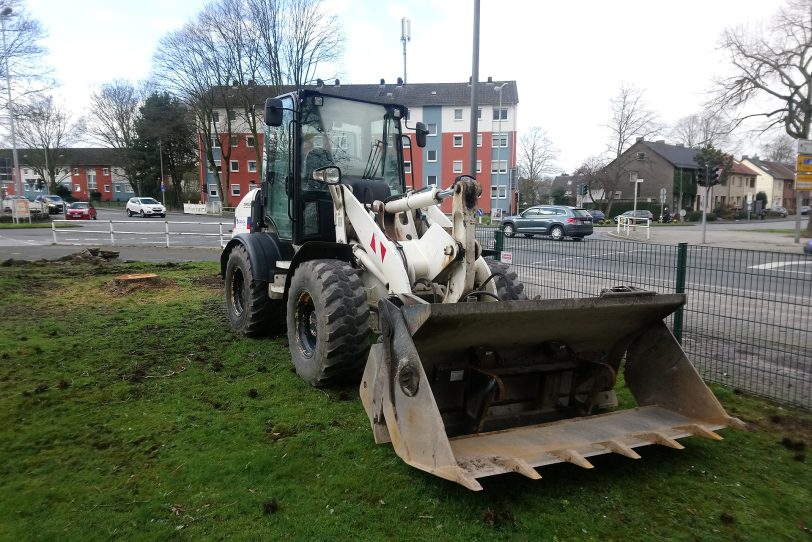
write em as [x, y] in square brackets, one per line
[279, 183]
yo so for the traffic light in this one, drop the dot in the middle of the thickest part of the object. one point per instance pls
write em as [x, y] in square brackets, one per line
[700, 176]
[582, 189]
[716, 176]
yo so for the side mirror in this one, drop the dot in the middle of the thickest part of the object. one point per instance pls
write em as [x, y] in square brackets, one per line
[327, 175]
[421, 131]
[273, 112]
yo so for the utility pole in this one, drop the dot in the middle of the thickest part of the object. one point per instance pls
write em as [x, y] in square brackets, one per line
[405, 37]
[474, 90]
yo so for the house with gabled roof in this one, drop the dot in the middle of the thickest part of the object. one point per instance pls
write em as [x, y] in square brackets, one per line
[775, 179]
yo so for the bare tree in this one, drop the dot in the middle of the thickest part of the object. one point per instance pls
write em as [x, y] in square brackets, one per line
[23, 53]
[598, 180]
[311, 38]
[782, 149]
[537, 156]
[47, 130]
[705, 128]
[773, 64]
[631, 118]
[111, 122]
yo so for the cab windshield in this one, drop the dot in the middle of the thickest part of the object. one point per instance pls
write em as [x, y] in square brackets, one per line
[360, 138]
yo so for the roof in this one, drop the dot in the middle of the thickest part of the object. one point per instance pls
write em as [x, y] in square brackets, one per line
[741, 169]
[87, 156]
[775, 169]
[678, 155]
[410, 95]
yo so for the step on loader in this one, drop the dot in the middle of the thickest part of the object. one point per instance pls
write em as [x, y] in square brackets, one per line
[468, 378]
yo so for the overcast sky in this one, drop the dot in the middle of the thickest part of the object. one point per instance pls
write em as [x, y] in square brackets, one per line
[568, 58]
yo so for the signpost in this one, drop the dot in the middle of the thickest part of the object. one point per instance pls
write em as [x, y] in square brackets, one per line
[803, 180]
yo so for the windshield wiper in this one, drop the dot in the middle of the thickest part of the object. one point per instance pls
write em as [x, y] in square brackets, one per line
[374, 159]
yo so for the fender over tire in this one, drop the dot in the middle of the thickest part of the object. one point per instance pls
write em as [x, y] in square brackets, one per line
[328, 322]
[250, 311]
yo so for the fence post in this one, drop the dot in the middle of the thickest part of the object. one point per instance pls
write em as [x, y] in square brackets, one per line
[53, 228]
[112, 235]
[679, 286]
[498, 242]
[166, 229]
[221, 234]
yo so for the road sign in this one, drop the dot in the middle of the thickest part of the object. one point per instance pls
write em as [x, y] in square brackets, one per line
[506, 257]
[803, 181]
[805, 146]
[804, 163]
[663, 194]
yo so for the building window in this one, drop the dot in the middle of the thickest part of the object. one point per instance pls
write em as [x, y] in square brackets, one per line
[500, 140]
[106, 171]
[25, 171]
[407, 166]
[431, 156]
[458, 114]
[432, 129]
[235, 190]
[479, 140]
[235, 165]
[250, 141]
[76, 171]
[252, 185]
[458, 140]
[500, 114]
[77, 188]
[407, 142]
[217, 165]
[213, 191]
[431, 180]
[232, 140]
[107, 188]
[232, 115]
[457, 166]
[499, 192]
[91, 179]
[215, 142]
[215, 116]
[479, 113]
[499, 166]
[118, 188]
[252, 166]
[479, 166]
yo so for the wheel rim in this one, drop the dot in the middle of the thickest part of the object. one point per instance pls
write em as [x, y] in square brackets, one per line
[306, 324]
[142, 214]
[238, 294]
[556, 233]
[509, 230]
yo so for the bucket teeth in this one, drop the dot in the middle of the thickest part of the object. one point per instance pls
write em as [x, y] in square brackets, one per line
[699, 431]
[659, 438]
[518, 465]
[619, 448]
[571, 456]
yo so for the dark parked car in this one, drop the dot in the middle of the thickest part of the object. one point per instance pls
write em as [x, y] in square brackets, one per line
[597, 215]
[81, 210]
[636, 216]
[55, 204]
[557, 221]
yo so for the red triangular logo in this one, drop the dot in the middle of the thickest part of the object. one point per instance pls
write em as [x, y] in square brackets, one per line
[383, 251]
[372, 243]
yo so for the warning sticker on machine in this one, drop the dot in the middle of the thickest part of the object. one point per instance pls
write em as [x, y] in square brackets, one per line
[506, 257]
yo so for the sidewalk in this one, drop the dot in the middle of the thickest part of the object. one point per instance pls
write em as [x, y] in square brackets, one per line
[716, 236]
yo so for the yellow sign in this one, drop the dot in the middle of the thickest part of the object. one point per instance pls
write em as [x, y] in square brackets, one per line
[803, 181]
[804, 163]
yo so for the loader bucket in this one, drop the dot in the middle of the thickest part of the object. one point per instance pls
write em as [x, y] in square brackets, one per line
[467, 390]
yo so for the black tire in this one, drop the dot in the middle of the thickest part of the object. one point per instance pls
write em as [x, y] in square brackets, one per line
[578, 238]
[508, 285]
[528, 235]
[163, 216]
[142, 214]
[328, 322]
[509, 230]
[129, 214]
[250, 311]
[557, 233]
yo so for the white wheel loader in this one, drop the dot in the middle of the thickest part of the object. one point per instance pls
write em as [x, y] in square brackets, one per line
[468, 378]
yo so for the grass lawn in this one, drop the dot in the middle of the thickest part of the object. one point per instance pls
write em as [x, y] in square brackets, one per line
[26, 225]
[132, 413]
[789, 232]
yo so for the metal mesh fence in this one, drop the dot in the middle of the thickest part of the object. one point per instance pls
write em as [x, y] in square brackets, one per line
[747, 321]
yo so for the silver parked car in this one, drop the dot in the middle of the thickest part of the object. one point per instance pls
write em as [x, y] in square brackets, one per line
[145, 207]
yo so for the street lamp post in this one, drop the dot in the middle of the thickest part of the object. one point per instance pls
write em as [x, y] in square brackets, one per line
[499, 148]
[18, 187]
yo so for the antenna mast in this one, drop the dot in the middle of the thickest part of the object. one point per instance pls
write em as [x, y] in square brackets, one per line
[405, 37]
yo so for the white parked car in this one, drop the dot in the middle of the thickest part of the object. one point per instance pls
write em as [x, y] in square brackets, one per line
[145, 207]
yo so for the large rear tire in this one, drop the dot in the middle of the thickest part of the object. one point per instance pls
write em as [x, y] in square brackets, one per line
[508, 285]
[250, 311]
[328, 322]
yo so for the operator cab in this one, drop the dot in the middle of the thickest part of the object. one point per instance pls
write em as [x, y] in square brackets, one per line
[359, 143]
